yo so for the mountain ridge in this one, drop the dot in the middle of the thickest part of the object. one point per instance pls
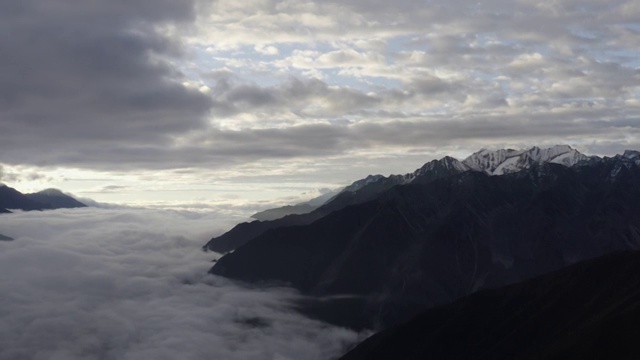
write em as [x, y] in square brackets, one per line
[48, 199]
[486, 161]
[449, 237]
[587, 310]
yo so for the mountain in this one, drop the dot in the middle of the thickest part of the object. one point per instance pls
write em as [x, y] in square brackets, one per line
[502, 162]
[297, 209]
[5, 238]
[55, 199]
[313, 204]
[48, 199]
[358, 192]
[422, 244]
[11, 198]
[586, 311]
[280, 212]
[497, 162]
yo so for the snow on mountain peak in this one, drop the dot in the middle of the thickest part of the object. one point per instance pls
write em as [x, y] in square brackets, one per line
[632, 154]
[447, 163]
[500, 162]
[488, 161]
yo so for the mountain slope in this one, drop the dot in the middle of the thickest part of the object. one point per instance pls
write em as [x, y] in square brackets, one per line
[590, 310]
[419, 245]
[280, 212]
[11, 198]
[55, 199]
[359, 192]
[5, 238]
[497, 162]
[297, 209]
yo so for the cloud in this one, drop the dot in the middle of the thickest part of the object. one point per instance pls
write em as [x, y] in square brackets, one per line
[216, 85]
[131, 284]
[267, 49]
[79, 73]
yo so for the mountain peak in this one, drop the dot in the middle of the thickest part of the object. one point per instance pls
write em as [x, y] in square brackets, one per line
[51, 192]
[505, 161]
[632, 154]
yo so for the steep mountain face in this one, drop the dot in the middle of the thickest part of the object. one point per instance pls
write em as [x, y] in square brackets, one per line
[48, 199]
[586, 311]
[55, 199]
[423, 244]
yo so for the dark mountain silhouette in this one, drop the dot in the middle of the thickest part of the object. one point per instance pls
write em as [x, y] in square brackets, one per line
[11, 198]
[491, 162]
[48, 199]
[415, 246]
[587, 311]
[55, 199]
[5, 238]
[359, 192]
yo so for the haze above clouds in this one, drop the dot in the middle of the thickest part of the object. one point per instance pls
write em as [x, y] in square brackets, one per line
[131, 284]
[300, 95]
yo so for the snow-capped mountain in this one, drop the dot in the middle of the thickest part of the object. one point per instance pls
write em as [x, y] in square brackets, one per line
[492, 162]
[632, 155]
[498, 162]
[505, 161]
[397, 248]
[488, 161]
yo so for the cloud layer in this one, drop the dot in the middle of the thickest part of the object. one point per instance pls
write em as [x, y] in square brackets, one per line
[131, 284]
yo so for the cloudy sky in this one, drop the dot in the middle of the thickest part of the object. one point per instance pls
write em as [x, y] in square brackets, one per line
[228, 102]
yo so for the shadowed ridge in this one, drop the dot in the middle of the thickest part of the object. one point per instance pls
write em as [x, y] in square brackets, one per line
[589, 310]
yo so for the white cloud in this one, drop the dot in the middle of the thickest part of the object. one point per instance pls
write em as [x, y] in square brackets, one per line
[131, 284]
[266, 49]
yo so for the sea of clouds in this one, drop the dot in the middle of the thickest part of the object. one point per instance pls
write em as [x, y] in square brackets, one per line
[133, 284]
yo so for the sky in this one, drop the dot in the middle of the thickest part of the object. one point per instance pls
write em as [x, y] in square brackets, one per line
[246, 104]
[131, 284]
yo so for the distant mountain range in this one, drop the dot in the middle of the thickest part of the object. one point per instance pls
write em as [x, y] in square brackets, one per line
[11, 199]
[401, 244]
[497, 162]
[586, 311]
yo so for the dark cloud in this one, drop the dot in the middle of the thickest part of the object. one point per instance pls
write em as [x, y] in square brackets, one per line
[131, 284]
[99, 72]
[308, 98]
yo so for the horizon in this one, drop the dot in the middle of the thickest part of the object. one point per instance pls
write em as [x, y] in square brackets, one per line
[244, 206]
